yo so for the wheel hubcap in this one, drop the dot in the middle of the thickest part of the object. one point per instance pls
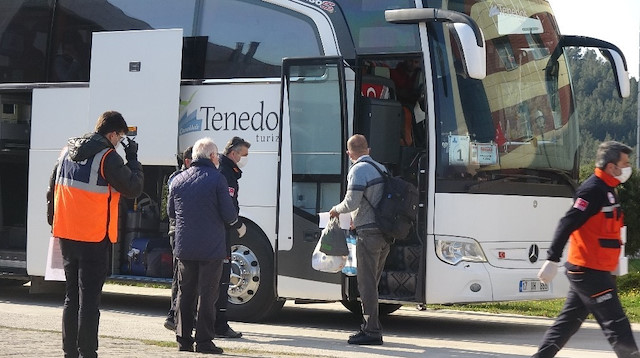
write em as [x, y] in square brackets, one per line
[245, 274]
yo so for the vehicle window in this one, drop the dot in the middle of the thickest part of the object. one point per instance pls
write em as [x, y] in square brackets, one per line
[77, 19]
[254, 46]
[373, 34]
[24, 30]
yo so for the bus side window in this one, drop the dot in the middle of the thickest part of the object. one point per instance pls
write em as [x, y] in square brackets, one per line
[255, 46]
[71, 60]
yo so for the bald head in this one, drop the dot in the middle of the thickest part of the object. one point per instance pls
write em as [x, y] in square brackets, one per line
[357, 146]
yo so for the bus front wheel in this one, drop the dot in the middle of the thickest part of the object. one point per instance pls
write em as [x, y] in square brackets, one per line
[251, 288]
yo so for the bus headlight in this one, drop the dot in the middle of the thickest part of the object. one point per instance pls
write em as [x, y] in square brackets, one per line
[457, 249]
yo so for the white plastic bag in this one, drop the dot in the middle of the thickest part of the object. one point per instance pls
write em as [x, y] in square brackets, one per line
[351, 266]
[325, 263]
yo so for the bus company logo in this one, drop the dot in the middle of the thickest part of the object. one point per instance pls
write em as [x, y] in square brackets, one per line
[534, 252]
[327, 6]
[497, 9]
[188, 123]
[258, 120]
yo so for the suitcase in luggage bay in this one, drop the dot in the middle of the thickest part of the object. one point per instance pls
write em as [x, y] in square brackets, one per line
[150, 257]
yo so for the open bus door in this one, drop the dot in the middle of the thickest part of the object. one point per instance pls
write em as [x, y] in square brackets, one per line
[311, 171]
[136, 73]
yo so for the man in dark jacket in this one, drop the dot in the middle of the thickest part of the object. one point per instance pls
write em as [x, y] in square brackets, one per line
[82, 206]
[184, 163]
[200, 204]
[234, 158]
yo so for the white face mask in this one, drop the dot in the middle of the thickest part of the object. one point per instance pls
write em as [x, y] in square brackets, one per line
[624, 176]
[242, 162]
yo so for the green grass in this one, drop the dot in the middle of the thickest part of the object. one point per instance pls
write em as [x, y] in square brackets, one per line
[139, 283]
[628, 286]
[547, 308]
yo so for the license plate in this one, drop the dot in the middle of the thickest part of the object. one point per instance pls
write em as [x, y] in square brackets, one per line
[533, 286]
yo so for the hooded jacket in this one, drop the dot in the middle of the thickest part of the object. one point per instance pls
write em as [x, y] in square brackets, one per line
[85, 187]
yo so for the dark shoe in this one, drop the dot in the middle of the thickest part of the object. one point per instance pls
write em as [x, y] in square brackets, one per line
[170, 324]
[362, 338]
[229, 333]
[208, 348]
[185, 348]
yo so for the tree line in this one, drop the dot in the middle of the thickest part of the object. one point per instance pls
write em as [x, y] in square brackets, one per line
[605, 116]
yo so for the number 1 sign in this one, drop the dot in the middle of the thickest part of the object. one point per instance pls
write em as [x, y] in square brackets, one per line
[458, 149]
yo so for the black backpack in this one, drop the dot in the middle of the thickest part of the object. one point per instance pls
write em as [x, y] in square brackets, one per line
[398, 207]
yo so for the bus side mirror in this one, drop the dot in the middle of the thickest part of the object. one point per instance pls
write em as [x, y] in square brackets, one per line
[617, 61]
[474, 56]
[467, 33]
[608, 50]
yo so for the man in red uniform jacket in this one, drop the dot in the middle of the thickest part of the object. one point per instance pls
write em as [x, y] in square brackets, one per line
[593, 225]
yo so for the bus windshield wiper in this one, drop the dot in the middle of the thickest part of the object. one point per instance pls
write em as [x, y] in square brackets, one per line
[494, 178]
[500, 178]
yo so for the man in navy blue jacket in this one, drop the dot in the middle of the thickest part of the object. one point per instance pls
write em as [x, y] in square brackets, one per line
[200, 204]
[234, 158]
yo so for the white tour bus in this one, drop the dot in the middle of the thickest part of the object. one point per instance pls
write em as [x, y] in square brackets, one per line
[469, 100]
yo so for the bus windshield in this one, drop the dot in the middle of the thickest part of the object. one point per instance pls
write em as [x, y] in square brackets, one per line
[517, 124]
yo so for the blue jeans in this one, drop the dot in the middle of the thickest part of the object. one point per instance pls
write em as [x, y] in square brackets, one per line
[85, 269]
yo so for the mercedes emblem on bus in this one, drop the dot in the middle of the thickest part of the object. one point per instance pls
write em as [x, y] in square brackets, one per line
[534, 251]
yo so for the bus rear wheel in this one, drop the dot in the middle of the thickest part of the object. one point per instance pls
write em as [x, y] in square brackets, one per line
[383, 308]
[251, 291]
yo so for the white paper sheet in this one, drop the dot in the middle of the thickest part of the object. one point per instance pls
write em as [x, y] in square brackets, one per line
[345, 220]
[55, 266]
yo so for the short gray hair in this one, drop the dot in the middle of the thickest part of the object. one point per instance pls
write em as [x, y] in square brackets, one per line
[234, 144]
[203, 148]
[609, 152]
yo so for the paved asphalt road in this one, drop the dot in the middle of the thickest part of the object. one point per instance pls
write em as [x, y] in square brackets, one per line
[132, 317]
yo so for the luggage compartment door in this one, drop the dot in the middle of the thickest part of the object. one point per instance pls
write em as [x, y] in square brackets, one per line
[137, 73]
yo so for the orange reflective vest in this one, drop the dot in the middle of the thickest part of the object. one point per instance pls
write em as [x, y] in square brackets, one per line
[85, 205]
[596, 244]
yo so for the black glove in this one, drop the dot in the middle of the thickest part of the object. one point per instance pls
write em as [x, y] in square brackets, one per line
[131, 149]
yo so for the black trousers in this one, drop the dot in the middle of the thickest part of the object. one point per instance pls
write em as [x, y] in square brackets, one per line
[595, 292]
[198, 285]
[85, 268]
[222, 321]
[174, 285]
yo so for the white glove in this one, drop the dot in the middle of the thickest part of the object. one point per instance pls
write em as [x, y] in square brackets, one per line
[548, 271]
[242, 230]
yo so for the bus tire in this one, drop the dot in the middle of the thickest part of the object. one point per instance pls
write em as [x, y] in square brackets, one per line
[384, 309]
[252, 295]
[9, 282]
